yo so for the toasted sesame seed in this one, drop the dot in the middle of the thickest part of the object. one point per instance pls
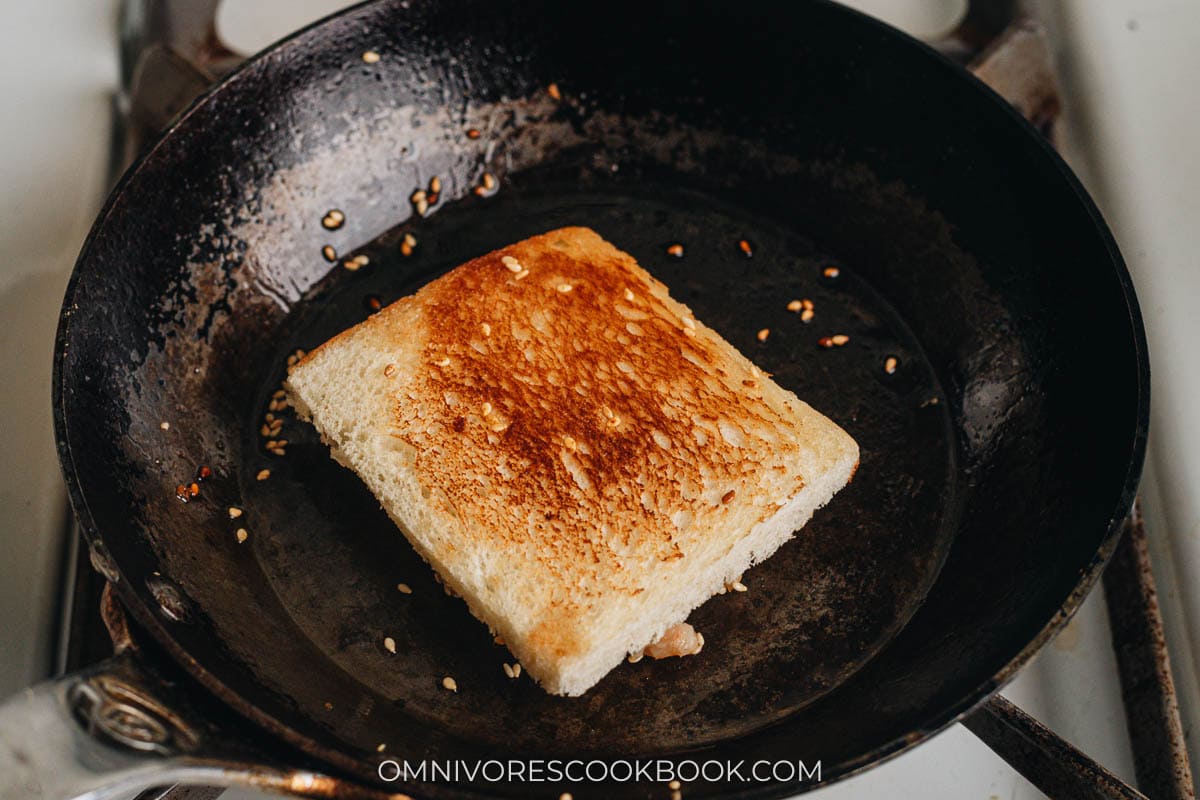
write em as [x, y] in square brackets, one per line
[633, 658]
[725, 498]
[521, 275]
[499, 427]
[745, 247]
[389, 370]
[689, 323]
[234, 512]
[406, 249]
[839, 339]
[675, 250]
[486, 408]
[763, 334]
[614, 422]
[554, 92]
[570, 443]
[806, 315]
[381, 748]
[795, 306]
[831, 272]
[565, 287]
[508, 670]
[242, 535]
[370, 57]
[606, 411]
[445, 362]
[485, 329]
[489, 181]
[516, 669]
[473, 133]
[279, 394]
[389, 644]
[265, 430]
[166, 426]
[449, 684]
[673, 786]
[629, 295]
[498, 640]
[333, 219]
[565, 795]
[738, 586]
[480, 191]
[512, 264]
[404, 588]
[889, 365]
[263, 474]
[329, 252]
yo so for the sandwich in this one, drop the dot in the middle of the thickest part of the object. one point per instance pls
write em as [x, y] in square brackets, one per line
[572, 451]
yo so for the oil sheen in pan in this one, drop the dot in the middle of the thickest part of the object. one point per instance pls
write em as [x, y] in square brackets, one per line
[814, 613]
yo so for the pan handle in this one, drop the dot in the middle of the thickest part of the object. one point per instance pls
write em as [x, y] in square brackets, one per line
[1042, 757]
[115, 729]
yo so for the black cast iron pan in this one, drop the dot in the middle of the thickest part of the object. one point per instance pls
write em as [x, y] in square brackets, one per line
[921, 215]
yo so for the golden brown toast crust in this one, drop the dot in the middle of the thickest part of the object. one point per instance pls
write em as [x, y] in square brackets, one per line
[615, 428]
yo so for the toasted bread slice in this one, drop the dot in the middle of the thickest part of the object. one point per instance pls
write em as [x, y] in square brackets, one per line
[574, 454]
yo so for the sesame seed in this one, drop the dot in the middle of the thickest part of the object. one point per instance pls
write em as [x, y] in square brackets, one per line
[381, 748]
[486, 408]
[676, 796]
[516, 669]
[508, 670]
[329, 252]
[738, 586]
[435, 184]
[675, 250]
[489, 181]
[831, 272]
[522, 275]
[473, 133]
[234, 512]
[406, 249]
[806, 315]
[449, 684]
[565, 795]
[480, 191]
[499, 427]
[795, 306]
[825, 341]
[725, 498]
[263, 474]
[839, 339]
[629, 295]
[673, 786]
[486, 329]
[166, 426]
[370, 57]
[563, 288]
[333, 219]
[745, 247]
[389, 370]
[763, 334]
[512, 264]
[570, 443]
[606, 411]
[633, 658]
[445, 362]
[404, 588]
[553, 91]
[889, 365]
[689, 323]
[242, 535]
[389, 644]
[265, 430]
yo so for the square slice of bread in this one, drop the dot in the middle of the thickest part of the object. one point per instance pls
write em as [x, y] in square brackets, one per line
[574, 453]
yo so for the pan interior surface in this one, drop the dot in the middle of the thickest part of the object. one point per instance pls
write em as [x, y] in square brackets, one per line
[1003, 449]
[816, 611]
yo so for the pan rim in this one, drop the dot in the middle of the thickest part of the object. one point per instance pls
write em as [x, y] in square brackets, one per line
[937, 720]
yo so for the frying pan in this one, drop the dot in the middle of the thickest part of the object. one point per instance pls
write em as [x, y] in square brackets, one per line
[925, 219]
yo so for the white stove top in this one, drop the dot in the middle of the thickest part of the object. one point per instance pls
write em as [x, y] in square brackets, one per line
[1131, 128]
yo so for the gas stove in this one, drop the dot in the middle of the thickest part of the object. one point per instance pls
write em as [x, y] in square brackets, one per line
[1104, 684]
